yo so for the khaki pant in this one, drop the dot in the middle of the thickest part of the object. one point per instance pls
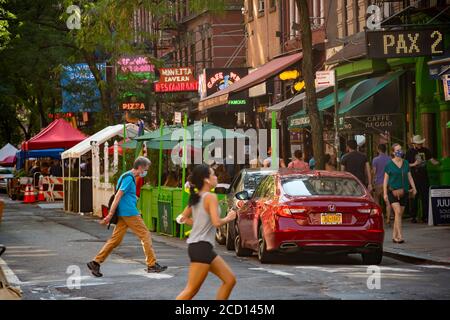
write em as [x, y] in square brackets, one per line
[136, 224]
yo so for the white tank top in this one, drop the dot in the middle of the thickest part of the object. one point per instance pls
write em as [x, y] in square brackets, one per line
[202, 228]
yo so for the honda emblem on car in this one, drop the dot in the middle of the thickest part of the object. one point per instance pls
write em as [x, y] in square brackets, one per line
[332, 208]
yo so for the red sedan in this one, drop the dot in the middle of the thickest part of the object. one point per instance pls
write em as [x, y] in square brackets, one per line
[323, 211]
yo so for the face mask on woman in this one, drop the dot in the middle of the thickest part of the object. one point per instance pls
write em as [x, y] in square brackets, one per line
[398, 154]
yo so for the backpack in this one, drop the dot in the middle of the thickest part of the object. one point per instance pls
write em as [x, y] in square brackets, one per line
[115, 217]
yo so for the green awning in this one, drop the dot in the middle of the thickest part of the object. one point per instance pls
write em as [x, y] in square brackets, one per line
[198, 135]
[371, 86]
[156, 133]
[301, 119]
[448, 124]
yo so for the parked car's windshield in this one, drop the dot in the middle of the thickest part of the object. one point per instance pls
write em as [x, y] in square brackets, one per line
[318, 186]
[251, 180]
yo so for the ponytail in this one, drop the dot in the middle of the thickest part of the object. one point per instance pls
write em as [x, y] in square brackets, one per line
[196, 180]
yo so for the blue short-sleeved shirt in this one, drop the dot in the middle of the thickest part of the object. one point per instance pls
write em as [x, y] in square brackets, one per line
[127, 204]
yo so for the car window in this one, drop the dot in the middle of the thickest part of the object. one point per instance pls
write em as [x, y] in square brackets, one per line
[317, 186]
[260, 189]
[251, 180]
[235, 184]
[5, 171]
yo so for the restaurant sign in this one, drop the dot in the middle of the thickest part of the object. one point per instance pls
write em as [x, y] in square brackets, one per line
[405, 43]
[176, 80]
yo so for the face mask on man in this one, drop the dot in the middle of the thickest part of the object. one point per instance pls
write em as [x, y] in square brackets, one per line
[143, 174]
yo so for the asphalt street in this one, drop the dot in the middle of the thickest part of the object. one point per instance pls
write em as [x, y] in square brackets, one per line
[47, 251]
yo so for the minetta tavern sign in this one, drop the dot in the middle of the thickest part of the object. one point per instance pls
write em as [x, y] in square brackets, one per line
[405, 43]
[176, 80]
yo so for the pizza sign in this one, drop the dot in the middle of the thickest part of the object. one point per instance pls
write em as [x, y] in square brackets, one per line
[133, 106]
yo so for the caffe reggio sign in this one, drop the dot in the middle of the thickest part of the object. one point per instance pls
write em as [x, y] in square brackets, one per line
[366, 123]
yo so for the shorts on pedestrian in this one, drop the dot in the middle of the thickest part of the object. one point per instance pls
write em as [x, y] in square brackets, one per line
[201, 252]
[402, 201]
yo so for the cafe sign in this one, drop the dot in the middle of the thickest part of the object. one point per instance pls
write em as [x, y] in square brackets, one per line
[405, 43]
[176, 80]
[370, 122]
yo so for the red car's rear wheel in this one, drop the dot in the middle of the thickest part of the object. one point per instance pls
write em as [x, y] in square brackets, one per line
[263, 255]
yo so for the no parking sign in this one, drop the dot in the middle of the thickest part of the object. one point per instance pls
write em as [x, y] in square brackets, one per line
[439, 208]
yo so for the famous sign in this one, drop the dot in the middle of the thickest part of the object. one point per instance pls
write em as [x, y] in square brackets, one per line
[406, 43]
[176, 79]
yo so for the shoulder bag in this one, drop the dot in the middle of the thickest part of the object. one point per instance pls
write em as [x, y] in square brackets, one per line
[115, 217]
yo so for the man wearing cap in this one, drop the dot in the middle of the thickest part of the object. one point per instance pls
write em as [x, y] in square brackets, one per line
[418, 156]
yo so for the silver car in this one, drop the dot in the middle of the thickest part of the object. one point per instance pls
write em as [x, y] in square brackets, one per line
[248, 180]
[5, 174]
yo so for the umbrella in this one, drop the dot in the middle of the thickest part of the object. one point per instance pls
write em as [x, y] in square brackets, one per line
[199, 135]
[156, 133]
[8, 161]
[448, 124]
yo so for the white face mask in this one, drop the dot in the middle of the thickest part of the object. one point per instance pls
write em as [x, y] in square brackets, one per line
[143, 174]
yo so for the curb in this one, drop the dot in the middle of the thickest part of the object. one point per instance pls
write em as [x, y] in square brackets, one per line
[413, 258]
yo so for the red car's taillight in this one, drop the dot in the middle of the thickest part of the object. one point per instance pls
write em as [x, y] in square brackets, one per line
[287, 212]
[372, 211]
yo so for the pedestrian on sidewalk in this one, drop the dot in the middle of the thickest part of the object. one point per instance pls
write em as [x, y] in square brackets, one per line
[298, 162]
[330, 163]
[205, 211]
[418, 156]
[124, 203]
[357, 164]
[378, 165]
[397, 180]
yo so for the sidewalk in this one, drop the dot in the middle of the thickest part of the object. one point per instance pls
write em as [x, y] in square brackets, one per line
[422, 242]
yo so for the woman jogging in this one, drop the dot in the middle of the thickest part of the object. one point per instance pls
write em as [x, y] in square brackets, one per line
[205, 211]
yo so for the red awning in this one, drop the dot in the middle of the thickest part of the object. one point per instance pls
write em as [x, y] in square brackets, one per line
[260, 75]
[58, 134]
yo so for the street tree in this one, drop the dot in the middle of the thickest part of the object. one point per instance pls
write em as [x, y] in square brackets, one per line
[309, 78]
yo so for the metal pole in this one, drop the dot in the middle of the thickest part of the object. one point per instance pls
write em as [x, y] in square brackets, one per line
[336, 120]
[183, 177]
[274, 142]
[124, 162]
[160, 153]
[79, 185]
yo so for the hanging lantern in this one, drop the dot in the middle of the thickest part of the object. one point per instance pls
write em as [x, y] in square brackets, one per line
[289, 75]
[298, 86]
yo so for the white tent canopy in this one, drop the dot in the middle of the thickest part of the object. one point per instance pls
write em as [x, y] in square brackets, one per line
[7, 150]
[100, 137]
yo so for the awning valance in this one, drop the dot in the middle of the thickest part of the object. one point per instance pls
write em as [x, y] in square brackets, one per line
[301, 119]
[263, 73]
[297, 98]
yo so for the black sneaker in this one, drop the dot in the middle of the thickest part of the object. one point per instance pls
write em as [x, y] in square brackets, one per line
[157, 268]
[95, 268]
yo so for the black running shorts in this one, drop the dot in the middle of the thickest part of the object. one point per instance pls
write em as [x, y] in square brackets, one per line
[201, 252]
[402, 201]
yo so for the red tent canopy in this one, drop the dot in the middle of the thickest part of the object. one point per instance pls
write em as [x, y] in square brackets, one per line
[58, 134]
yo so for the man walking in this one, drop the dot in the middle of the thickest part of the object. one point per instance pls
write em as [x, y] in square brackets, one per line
[125, 202]
[357, 164]
[417, 157]
[378, 165]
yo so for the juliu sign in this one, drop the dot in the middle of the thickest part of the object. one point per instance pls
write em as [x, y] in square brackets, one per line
[439, 205]
[405, 43]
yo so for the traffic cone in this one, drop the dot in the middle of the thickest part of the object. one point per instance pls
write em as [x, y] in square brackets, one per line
[26, 198]
[41, 196]
[32, 195]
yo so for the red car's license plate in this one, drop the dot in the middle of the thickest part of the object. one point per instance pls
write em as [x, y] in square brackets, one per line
[331, 218]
